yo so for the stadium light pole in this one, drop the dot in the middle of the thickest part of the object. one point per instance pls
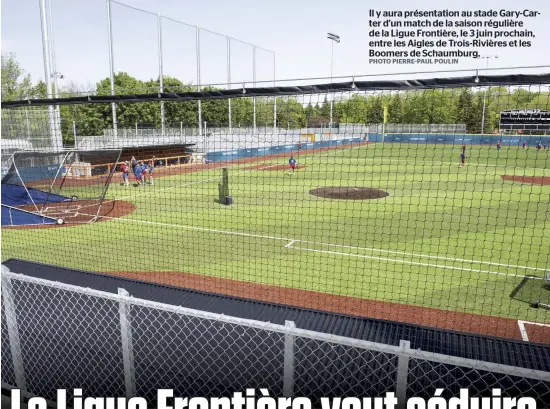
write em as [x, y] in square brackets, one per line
[229, 81]
[111, 64]
[198, 51]
[161, 86]
[47, 73]
[334, 39]
[487, 58]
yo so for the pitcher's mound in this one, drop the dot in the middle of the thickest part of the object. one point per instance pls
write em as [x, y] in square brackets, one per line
[349, 193]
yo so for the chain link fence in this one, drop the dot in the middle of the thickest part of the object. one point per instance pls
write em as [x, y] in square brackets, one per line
[56, 335]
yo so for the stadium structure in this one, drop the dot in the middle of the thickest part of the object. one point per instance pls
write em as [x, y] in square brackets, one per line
[405, 251]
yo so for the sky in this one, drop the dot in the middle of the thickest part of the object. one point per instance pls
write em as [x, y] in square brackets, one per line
[295, 30]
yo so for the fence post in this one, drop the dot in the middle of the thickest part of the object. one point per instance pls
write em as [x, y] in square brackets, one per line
[288, 381]
[13, 331]
[127, 345]
[402, 374]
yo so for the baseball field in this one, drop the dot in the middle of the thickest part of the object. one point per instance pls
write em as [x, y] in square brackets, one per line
[472, 239]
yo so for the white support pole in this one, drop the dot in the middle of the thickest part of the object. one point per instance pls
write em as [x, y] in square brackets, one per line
[13, 330]
[56, 143]
[275, 101]
[254, 82]
[54, 72]
[181, 129]
[288, 362]
[402, 374]
[205, 141]
[127, 345]
[331, 60]
[28, 123]
[74, 132]
[229, 82]
[198, 51]
[111, 65]
[484, 99]
[161, 85]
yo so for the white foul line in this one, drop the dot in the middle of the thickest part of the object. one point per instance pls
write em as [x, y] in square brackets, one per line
[523, 331]
[414, 263]
[292, 241]
[464, 260]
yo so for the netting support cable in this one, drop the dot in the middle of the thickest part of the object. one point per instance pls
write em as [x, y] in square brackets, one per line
[23, 183]
[61, 164]
[288, 379]
[127, 344]
[13, 329]
[24, 211]
[106, 185]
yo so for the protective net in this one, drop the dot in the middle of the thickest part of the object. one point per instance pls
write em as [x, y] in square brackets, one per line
[424, 202]
[45, 188]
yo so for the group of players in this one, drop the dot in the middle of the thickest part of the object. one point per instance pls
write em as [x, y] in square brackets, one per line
[539, 147]
[140, 169]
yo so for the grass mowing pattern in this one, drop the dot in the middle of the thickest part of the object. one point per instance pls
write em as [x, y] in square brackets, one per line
[445, 237]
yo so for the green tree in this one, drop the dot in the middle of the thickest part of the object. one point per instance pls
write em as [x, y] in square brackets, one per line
[466, 111]
[521, 98]
[15, 83]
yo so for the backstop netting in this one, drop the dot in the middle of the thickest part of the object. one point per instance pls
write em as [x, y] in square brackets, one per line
[48, 188]
[421, 200]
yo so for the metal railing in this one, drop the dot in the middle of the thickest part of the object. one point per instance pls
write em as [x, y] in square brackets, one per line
[56, 335]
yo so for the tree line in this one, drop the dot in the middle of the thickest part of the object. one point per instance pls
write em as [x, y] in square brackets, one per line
[430, 106]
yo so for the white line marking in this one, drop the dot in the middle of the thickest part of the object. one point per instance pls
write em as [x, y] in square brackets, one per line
[419, 255]
[413, 263]
[292, 241]
[523, 331]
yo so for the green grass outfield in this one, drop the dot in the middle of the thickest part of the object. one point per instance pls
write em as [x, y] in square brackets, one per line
[453, 238]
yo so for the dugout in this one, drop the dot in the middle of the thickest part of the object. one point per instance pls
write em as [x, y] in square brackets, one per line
[169, 155]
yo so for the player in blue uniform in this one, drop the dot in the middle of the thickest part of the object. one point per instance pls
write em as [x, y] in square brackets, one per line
[144, 168]
[139, 175]
[292, 163]
[462, 159]
[151, 169]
